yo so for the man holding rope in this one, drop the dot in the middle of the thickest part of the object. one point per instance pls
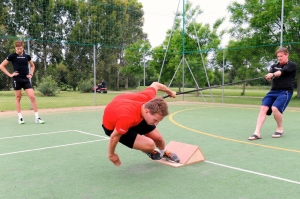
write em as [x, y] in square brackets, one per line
[131, 119]
[283, 74]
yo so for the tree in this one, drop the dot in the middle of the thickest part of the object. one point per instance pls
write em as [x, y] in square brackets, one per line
[45, 23]
[194, 41]
[111, 26]
[257, 24]
[135, 58]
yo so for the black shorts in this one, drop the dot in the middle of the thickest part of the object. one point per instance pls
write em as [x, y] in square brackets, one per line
[128, 139]
[19, 83]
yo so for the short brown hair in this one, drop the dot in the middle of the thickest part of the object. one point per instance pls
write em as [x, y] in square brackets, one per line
[157, 106]
[19, 43]
[282, 50]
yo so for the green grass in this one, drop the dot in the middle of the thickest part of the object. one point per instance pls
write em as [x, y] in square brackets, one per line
[232, 95]
[61, 100]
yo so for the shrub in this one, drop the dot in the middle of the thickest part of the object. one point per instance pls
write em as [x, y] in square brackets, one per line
[86, 86]
[64, 87]
[48, 86]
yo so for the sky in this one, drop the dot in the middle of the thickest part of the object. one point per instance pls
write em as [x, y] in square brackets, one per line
[160, 15]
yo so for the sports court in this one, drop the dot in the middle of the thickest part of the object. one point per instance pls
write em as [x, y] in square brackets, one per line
[67, 156]
[130, 44]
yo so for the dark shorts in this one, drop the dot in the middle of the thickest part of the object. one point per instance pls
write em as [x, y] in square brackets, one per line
[128, 139]
[278, 98]
[19, 83]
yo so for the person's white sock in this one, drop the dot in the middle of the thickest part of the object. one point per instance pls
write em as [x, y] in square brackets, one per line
[20, 115]
[36, 115]
[162, 152]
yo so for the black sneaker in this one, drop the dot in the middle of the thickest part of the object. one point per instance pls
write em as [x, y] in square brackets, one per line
[154, 155]
[171, 157]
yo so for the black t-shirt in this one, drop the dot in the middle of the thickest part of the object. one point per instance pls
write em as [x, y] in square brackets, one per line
[20, 63]
[286, 80]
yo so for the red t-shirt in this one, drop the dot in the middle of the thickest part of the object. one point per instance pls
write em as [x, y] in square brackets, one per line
[124, 111]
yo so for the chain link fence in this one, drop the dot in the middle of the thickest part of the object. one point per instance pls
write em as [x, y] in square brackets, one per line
[74, 49]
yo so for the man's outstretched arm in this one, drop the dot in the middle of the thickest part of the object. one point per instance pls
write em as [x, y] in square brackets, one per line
[161, 87]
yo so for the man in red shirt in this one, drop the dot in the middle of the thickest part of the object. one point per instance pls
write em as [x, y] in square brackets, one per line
[131, 119]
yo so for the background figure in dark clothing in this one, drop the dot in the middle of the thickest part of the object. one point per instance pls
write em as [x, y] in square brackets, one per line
[103, 84]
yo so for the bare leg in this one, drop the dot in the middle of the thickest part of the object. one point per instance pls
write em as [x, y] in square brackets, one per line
[157, 138]
[160, 144]
[278, 118]
[144, 144]
[18, 96]
[148, 142]
[30, 94]
[261, 119]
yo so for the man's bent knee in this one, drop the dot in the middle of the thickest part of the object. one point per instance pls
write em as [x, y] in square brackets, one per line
[146, 145]
[150, 146]
[158, 139]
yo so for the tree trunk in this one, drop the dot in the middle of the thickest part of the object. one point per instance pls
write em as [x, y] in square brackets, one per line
[117, 79]
[45, 57]
[298, 86]
[139, 83]
[244, 87]
[197, 92]
[126, 83]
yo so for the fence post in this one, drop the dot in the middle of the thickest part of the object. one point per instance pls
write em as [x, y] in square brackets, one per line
[95, 96]
[28, 49]
[224, 63]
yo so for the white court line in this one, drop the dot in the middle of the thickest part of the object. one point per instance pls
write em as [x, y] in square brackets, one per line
[92, 134]
[50, 147]
[20, 136]
[256, 173]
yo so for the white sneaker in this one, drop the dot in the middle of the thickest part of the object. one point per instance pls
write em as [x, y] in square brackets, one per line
[39, 121]
[21, 121]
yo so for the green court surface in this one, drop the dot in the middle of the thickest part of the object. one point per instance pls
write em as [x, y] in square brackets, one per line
[67, 156]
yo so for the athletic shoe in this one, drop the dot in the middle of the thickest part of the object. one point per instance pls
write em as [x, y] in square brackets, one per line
[21, 121]
[172, 157]
[154, 155]
[39, 121]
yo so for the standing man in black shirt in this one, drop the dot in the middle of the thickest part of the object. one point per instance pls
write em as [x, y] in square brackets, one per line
[283, 74]
[21, 79]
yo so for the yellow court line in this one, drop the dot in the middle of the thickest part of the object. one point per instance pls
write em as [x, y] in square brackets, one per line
[225, 138]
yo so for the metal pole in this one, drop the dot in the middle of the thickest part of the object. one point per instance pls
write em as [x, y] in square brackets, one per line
[223, 76]
[28, 50]
[183, 77]
[183, 48]
[144, 69]
[281, 35]
[162, 66]
[95, 96]
[207, 79]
